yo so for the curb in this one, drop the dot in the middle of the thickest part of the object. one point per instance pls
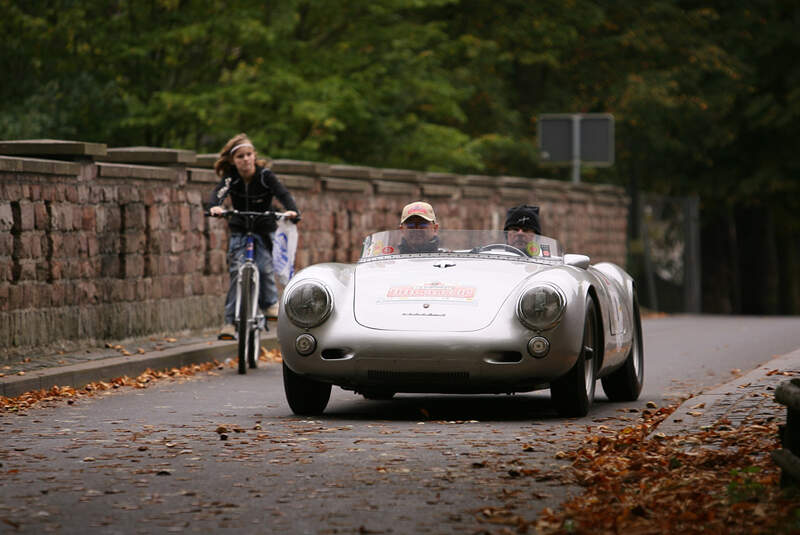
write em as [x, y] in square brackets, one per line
[79, 375]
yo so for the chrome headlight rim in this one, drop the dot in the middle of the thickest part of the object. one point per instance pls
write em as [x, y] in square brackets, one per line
[313, 322]
[547, 323]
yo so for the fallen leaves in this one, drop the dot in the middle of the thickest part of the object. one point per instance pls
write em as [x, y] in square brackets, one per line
[718, 480]
[146, 378]
[140, 350]
[788, 373]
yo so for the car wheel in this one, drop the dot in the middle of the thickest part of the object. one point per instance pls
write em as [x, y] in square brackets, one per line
[306, 397]
[573, 393]
[625, 384]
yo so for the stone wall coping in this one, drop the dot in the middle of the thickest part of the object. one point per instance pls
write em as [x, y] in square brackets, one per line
[442, 178]
[149, 155]
[114, 170]
[344, 184]
[39, 166]
[293, 167]
[514, 193]
[440, 190]
[479, 180]
[400, 175]
[352, 171]
[515, 181]
[197, 174]
[396, 188]
[477, 192]
[51, 147]
[207, 159]
[297, 181]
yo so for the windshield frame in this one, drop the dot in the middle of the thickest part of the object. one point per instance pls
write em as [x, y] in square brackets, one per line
[385, 245]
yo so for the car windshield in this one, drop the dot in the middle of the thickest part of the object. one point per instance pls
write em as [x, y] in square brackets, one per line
[512, 245]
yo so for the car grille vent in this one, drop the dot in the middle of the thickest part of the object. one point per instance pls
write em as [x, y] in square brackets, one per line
[416, 377]
[334, 354]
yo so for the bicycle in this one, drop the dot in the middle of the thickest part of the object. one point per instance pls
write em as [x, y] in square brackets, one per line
[249, 320]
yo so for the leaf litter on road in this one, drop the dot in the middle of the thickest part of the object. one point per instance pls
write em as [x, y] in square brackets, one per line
[718, 480]
[148, 377]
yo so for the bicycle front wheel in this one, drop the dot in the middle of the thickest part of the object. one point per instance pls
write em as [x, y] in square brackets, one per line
[246, 316]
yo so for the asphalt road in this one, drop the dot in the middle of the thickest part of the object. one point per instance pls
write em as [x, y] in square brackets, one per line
[154, 460]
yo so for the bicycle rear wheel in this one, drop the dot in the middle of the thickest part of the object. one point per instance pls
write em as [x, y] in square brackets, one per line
[246, 319]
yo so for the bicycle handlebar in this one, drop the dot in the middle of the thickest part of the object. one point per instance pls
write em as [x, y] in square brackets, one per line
[229, 213]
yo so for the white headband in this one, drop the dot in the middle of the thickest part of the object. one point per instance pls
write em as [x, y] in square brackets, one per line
[239, 146]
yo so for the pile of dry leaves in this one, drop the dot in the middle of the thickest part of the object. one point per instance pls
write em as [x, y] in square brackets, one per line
[721, 480]
[145, 379]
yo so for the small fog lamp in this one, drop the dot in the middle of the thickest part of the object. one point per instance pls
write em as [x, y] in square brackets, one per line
[305, 344]
[538, 347]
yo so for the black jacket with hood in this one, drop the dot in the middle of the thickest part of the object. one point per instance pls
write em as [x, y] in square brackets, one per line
[253, 197]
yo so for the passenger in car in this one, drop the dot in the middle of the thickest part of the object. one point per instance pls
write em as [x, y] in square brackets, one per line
[420, 229]
[522, 224]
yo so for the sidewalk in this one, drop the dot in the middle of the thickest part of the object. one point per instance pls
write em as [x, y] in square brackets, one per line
[130, 357]
[748, 398]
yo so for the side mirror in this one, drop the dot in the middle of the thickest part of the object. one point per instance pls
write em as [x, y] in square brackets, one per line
[577, 260]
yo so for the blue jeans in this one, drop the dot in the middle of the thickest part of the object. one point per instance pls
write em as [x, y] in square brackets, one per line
[267, 290]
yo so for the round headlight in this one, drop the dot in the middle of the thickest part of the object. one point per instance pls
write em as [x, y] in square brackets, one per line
[541, 307]
[308, 304]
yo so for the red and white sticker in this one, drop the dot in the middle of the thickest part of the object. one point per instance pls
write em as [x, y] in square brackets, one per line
[433, 291]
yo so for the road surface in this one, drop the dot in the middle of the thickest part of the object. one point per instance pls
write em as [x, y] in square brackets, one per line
[223, 452]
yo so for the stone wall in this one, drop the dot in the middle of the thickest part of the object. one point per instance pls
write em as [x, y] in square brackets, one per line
[106, 244]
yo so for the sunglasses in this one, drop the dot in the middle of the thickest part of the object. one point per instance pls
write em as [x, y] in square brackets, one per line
[420, 225]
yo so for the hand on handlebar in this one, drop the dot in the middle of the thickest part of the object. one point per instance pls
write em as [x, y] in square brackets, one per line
[216, 211]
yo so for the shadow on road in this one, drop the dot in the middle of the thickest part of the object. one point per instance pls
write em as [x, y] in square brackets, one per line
[415, 408]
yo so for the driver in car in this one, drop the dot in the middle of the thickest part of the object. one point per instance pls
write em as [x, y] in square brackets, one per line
[420, 229]
[522, 224]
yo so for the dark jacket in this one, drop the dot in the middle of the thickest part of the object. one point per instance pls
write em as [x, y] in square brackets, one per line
[253, 197]
[430, 246]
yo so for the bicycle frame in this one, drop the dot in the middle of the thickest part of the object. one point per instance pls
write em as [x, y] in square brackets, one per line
[250, 264]
[248, 318]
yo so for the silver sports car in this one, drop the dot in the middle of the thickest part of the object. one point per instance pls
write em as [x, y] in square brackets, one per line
[468, 313]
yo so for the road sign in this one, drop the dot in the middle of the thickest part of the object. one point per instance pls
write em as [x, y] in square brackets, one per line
[576, 139]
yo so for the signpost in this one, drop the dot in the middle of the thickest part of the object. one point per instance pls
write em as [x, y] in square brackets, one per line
[576, 139]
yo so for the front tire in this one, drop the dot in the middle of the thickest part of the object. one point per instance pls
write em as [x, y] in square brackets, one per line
[255, 349]
[245, 315]
[573, 393]
[306, 397]
[625, 384]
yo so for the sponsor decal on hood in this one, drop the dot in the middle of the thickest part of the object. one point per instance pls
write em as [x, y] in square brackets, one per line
[432, 291]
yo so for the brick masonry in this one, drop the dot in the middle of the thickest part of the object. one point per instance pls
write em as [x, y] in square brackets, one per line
[93, 248]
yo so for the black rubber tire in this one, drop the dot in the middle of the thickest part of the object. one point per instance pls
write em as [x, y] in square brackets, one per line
[573, 393]
[306, 397]
[254, 349]
[625, 383]
[244, 314]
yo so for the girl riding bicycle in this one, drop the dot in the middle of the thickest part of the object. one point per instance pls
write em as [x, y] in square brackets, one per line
[251, 187]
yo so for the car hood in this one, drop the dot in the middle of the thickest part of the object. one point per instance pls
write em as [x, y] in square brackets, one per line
[435, 294]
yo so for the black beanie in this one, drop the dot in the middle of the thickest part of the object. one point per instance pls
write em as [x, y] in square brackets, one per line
[524, 216]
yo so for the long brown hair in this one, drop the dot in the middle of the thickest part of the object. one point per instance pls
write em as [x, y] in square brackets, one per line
[224, 164]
